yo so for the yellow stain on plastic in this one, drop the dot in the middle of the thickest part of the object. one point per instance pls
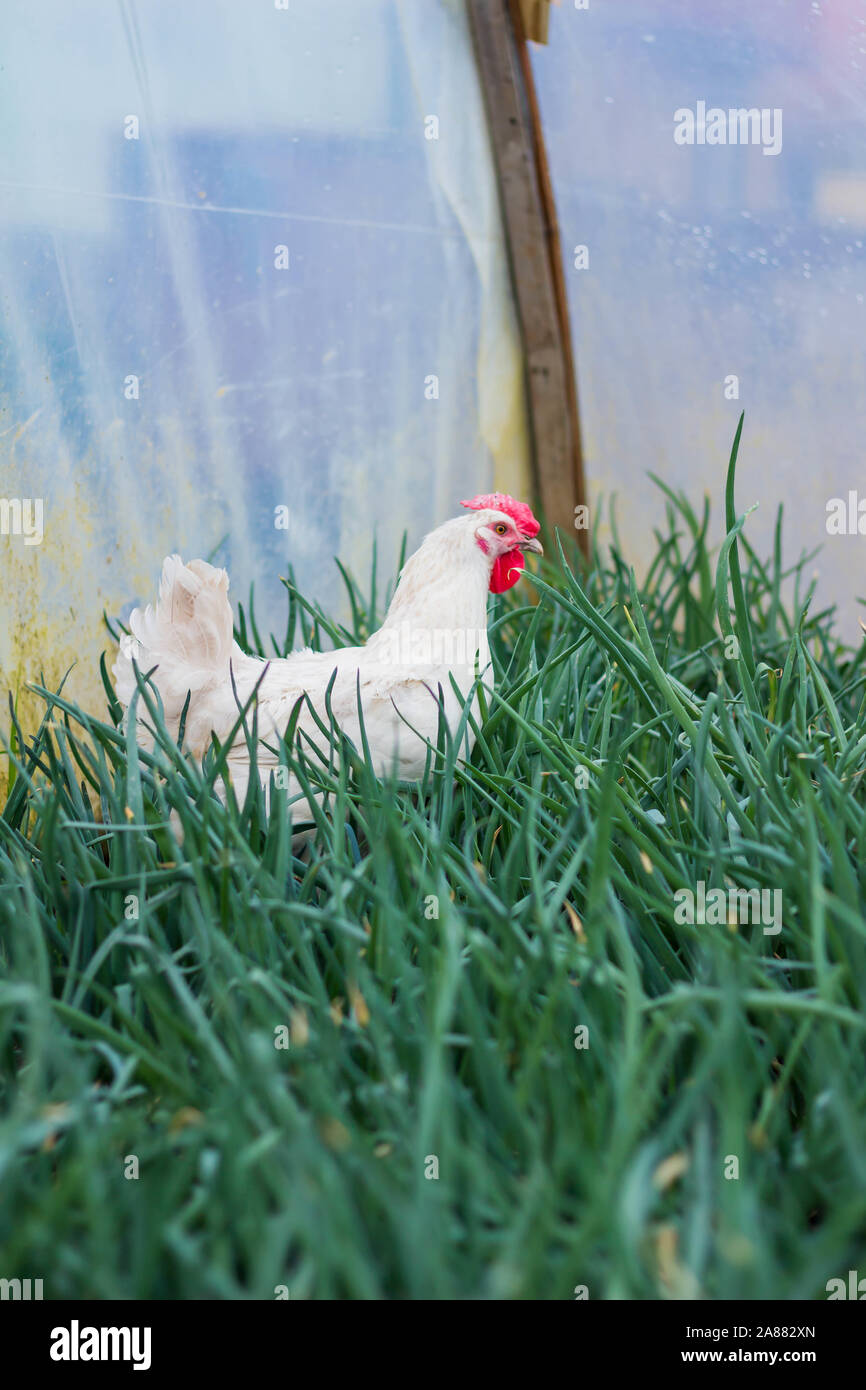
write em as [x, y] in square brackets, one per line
[55, 593]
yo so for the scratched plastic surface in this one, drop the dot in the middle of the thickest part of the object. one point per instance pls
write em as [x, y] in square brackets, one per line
[709, 261]
[258, 387]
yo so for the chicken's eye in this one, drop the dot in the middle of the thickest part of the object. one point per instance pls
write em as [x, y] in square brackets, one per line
[501, 529]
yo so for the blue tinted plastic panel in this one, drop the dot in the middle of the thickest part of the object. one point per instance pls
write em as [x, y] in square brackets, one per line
[258, 383]
[710, 261]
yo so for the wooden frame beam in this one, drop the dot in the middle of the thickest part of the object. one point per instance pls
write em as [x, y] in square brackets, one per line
[535, 15]
[532, 234]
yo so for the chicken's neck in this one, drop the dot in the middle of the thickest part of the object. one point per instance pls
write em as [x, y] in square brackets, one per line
[442, 588]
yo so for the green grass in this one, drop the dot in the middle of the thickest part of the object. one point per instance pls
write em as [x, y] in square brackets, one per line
[414, 1034]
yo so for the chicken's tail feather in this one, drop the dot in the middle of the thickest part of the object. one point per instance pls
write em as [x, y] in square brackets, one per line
[187, 636]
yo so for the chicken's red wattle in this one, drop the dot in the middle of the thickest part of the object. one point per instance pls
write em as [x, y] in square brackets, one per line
[506, 571]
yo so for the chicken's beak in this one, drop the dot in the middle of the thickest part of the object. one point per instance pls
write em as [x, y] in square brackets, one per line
[532, 544]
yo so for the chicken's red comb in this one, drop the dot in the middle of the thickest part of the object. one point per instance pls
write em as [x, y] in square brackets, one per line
[519, 512]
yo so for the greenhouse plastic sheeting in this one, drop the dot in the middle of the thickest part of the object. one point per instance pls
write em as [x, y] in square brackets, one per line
[252, 259]
[704, 262]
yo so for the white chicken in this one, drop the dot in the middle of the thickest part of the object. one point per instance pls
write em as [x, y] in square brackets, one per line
[435, 628]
